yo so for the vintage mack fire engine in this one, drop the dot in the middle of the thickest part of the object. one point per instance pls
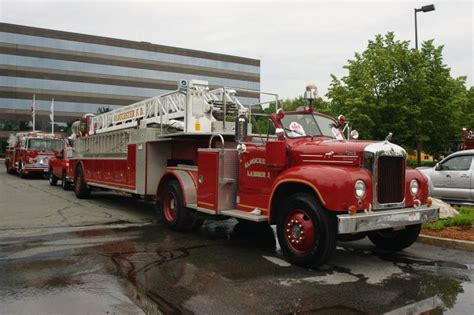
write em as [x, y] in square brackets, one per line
[29, 152]
[191, 150]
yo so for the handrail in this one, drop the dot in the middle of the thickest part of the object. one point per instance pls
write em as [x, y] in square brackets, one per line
[212, 138]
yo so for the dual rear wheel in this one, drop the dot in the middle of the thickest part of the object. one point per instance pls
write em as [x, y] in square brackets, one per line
[172, 212]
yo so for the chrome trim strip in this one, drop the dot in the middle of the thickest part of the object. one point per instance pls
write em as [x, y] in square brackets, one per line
[379, 220]
[329, 161]
[354, 157]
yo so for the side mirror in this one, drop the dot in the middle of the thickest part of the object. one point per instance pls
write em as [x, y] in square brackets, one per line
[438, 167]
[241, 125]
[60, 156]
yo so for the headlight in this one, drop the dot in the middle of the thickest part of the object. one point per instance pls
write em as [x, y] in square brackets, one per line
[414, 187]
[359, 188]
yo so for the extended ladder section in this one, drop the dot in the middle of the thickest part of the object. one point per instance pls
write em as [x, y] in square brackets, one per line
[192, 109]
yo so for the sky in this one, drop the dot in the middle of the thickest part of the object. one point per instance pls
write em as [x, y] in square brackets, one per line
[297, 42]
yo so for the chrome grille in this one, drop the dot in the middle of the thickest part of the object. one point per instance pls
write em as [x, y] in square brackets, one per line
[390, 179]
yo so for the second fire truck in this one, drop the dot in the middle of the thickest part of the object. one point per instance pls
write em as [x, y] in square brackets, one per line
[194, 151]
[29, 152]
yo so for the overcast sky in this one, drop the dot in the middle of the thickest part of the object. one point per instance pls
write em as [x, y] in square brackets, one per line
[298, 43]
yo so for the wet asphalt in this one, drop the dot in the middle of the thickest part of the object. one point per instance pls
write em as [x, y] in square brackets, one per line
[108, 255]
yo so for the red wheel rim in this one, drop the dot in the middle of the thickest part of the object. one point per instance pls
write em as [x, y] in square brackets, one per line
[299, 231]
[169, 207]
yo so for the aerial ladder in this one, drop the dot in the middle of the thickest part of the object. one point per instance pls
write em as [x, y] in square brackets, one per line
[190, 109]
[193, 109]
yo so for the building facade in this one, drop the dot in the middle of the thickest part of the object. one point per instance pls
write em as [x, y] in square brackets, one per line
[87, 74]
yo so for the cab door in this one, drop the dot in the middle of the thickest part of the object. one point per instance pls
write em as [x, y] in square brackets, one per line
[255, 179]
[453, 178]
[57, 163]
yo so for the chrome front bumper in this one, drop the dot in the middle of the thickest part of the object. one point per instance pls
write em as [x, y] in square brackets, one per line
[385, 219]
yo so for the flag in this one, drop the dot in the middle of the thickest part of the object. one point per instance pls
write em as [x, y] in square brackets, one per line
[51, 114]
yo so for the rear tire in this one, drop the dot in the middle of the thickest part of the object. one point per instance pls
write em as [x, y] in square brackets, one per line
[81, 189]
[307, 233]
[64, 183]
[172, 212]
[395, 240]
[10, 170]
[53, 180]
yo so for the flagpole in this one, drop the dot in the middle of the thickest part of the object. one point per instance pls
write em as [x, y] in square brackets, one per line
[33, 109]
[52, 116]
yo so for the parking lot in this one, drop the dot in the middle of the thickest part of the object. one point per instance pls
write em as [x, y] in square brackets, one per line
[59, 254]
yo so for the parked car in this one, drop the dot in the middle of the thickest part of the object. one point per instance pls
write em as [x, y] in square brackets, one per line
[59, 169]
[452, 179]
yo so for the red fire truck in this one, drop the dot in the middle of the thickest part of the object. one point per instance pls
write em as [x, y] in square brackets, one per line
[59, 168]
[468, 140]
[29, 152]
[194, 151]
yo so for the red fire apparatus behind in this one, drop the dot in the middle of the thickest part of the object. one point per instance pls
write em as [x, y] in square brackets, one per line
[29, 152]
[190, 150]
[468, 140]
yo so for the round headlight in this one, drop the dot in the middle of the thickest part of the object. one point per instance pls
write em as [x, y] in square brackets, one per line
[359, 188]
[414, 186]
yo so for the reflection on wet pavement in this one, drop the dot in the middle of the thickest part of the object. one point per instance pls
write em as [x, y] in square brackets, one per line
[227, 267]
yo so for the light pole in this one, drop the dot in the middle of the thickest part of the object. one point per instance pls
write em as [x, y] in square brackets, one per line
[425, 8]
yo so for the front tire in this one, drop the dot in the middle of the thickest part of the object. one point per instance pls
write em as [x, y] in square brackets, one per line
[53, 180]
[307, 233]
[21, 171]
[81, 189]
[64, 183]
[395, 240]
[172, 212]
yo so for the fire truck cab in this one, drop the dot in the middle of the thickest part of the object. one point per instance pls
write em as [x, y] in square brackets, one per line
[195, 152]
[29, 152]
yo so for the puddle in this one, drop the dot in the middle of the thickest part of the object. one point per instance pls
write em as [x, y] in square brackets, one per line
[226, 267]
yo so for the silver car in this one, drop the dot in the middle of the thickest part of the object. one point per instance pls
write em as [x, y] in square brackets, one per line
[452, 179]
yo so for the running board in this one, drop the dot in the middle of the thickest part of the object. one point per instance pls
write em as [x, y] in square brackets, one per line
[244, 215]
[231, 213]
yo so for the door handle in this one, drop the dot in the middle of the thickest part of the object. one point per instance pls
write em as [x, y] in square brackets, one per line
[464, 175]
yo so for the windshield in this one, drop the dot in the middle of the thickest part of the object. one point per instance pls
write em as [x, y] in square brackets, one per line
[304, 125]
[45, 144]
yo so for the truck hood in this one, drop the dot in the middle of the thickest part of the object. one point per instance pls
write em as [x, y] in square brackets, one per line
[328, 151]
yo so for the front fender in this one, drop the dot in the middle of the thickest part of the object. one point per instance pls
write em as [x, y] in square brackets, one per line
[334, 186]
[423, 190]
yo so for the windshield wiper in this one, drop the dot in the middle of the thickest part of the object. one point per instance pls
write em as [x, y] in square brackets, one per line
[288, 129]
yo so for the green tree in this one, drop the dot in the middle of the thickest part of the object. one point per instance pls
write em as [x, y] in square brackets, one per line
[392, 88]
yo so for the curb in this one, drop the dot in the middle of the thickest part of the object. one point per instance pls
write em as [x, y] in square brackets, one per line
[446, 242]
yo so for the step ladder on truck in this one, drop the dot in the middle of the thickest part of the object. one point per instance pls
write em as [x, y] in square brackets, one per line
[195, 152]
